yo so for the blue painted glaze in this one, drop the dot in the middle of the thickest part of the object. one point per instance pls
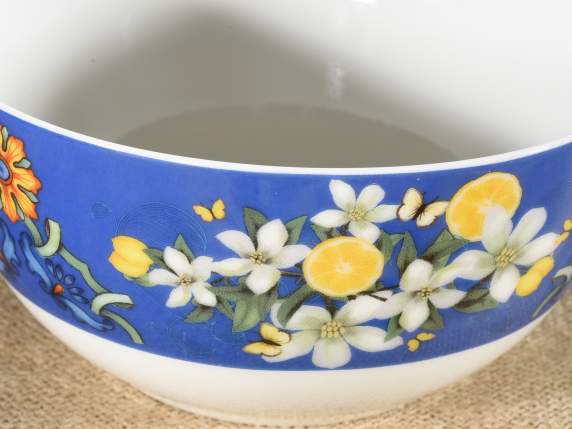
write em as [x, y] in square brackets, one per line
[96, 194]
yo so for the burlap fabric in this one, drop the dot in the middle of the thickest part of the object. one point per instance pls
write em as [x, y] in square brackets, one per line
[44, 385]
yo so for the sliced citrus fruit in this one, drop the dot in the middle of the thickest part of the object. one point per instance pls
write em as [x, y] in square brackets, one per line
[343, 266]
[468, 207]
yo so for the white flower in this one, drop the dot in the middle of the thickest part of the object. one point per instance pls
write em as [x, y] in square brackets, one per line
[330, 338]
[360, 213]
[506, 248]
[420, 284]
[188, 278]
[263, 263]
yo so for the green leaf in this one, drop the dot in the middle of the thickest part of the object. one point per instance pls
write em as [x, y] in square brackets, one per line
[265, 302]
[294, 228]
[246, 314]
[200, 314]
[386, 243]
[232, 293]
[141, 281]
[253, 220]
[445, 244]
[476, 300]
[225, 308]
[181, 246]
[407, 254]
[23, 163]
[325, 233]
[435, 320]
[393, 328]
[156, 256]
[293, 302]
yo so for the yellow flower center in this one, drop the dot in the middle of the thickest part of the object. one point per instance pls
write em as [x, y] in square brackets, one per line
[185, 281]
[506, 257]
[426, 292]
[357, 213]
[332, 329]
[258, 258]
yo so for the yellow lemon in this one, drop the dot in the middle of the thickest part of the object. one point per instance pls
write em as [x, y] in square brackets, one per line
[343, 266]
[543, 266]
[567, 225]
[128, 256]
[467, 209]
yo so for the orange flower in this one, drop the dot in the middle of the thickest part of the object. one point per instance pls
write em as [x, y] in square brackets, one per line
[18, 184]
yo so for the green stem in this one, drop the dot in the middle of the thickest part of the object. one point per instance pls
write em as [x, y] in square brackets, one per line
[546, 300]
[291, 274]
[124, 324]
[83, 268]
[34, 232]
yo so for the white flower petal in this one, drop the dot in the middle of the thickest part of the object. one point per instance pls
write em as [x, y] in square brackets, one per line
[394, 305]
[496, 229]
[416, 276]
[202, 267]
[202, 295]
[177, 261]
[365, 230]
[358, 311]
[238, 242]
[504, 283]
[382, 213]
[343, 195]
[536, 249]
[446, 298]
[330, 218]
[529, 225]
[179, 297]
[370, 197]
[300, 344]
[370, 339]
[415, 313]
[161, 276]
[444, 276]
[271, 238]
[474, 264]
[262, 278]
[307, 317]
[331, 353]
[290, 255]
[233, 267]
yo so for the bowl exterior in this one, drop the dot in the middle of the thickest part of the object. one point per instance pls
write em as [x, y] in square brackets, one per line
[277, 271]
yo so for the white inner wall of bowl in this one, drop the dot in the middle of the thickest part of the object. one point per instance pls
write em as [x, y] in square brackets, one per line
[336, 83]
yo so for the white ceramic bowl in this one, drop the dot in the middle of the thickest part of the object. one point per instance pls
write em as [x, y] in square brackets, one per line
[267, 90]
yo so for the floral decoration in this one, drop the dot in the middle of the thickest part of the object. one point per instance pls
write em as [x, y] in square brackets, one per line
[330, 298]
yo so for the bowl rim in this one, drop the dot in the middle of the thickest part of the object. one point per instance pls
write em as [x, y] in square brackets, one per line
[292, 170]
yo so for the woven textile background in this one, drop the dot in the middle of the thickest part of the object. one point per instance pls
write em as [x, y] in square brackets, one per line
[44, 385]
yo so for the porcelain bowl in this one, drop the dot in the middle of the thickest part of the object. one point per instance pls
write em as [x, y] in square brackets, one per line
[386, 208]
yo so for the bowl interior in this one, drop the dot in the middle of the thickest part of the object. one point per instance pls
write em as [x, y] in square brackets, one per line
[336, 83]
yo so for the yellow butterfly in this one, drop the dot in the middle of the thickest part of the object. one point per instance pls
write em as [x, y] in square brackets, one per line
[413, 207]
[217, 211]
[272, 341]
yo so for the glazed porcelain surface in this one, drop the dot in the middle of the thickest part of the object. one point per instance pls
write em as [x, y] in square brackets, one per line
[190, 278]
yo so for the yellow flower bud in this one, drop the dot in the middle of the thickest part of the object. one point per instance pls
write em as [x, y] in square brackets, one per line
[425, 336]
[544, 266]
[413, 345]
[562, 237]
[128, 256]
[529, 283]
[567, 225]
